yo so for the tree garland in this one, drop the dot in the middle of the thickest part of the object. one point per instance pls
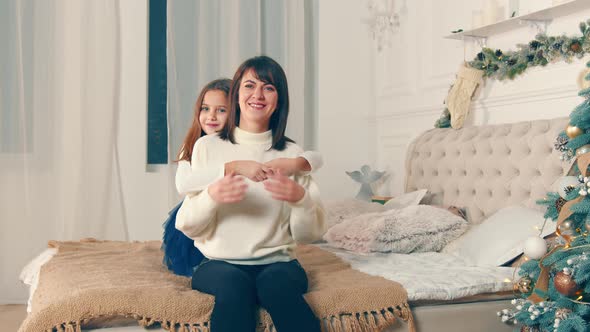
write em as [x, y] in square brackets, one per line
[542, 50]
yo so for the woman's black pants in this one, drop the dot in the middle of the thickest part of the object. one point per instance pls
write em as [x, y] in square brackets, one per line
[239, 289]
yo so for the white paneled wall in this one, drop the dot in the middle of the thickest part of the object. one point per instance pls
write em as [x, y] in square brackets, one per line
[346, 96]
[412, 79]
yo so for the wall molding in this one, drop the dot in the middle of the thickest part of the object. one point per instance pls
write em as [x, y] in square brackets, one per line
[525, 97]
[410, 112]
[399, 90]
[438, 81]
[387, 87]
[391, 156]
[559, 92]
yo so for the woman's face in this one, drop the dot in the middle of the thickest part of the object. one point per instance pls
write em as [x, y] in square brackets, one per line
[213, 113]
[257, 99]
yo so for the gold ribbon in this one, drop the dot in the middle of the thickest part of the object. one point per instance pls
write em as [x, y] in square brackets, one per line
[540, 291]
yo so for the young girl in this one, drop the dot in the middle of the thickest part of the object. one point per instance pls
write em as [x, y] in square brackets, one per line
[210, 116]
[248, 230]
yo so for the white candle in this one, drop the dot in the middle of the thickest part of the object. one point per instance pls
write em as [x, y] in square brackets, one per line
[492, 12]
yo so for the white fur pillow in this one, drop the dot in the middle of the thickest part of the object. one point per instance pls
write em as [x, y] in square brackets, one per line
[417, 228]
[340, 210]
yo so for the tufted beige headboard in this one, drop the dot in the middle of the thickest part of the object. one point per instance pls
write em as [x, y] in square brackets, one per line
[488, 167]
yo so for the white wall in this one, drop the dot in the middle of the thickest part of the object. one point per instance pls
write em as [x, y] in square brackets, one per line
[346, 96]
[413, 78]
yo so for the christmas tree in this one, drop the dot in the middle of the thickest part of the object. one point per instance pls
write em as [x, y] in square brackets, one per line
[554, 284]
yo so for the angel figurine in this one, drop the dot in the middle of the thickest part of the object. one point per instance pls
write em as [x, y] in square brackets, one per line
[365, 177]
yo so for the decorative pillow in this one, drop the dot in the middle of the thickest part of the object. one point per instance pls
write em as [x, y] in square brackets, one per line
[500, 238]
[405, 200]
[432, 199]
[340, 210]
[416, 228]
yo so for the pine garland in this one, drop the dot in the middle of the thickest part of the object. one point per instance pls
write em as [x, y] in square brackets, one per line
[502, 65]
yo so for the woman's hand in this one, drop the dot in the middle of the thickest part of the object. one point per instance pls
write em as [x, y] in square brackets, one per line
[289, 166]
[253, 170]
[230, 189]
[283, 189]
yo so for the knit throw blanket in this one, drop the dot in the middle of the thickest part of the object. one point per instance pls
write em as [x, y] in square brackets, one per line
[96, 280]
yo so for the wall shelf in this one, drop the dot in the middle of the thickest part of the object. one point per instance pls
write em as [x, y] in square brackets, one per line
[538, 19]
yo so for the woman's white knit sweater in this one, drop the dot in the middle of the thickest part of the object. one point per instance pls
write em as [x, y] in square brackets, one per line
[258, 229]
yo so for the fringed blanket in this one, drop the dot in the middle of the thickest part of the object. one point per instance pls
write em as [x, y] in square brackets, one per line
[92, 280]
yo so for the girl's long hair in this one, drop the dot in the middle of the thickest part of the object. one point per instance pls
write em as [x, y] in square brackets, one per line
[195, 131]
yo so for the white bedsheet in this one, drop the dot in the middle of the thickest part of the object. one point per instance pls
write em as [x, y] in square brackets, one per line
[30, 273]
[432, 275]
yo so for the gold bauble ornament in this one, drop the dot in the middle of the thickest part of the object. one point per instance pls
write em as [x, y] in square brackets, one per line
[573, 131]
[565, 226]
[565, 230]
[525, 328]
[524, 285]
[565, 284]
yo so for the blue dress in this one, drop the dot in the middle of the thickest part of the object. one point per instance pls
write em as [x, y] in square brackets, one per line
[180, 253]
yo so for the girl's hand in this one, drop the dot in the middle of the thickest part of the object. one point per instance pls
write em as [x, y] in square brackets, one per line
[289, 166]
[230, 189]
[284, 189]
[253, 170]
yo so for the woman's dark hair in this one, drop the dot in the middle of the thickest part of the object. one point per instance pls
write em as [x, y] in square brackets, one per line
[195, 131]
[270, 72]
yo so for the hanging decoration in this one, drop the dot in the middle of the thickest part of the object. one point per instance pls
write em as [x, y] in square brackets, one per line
[502, 65]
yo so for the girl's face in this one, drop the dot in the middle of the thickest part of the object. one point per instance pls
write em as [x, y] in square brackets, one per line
[213, 113]
[257, 99]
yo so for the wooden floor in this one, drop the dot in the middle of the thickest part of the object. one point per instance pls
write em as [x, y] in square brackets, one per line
[11, 315]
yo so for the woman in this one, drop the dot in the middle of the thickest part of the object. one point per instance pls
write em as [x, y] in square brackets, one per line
[248, 230]
[210, 116]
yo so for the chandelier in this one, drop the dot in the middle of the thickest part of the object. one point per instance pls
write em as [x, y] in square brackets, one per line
[383, 21]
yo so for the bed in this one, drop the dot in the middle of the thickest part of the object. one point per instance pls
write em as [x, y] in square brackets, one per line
[483, 169]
